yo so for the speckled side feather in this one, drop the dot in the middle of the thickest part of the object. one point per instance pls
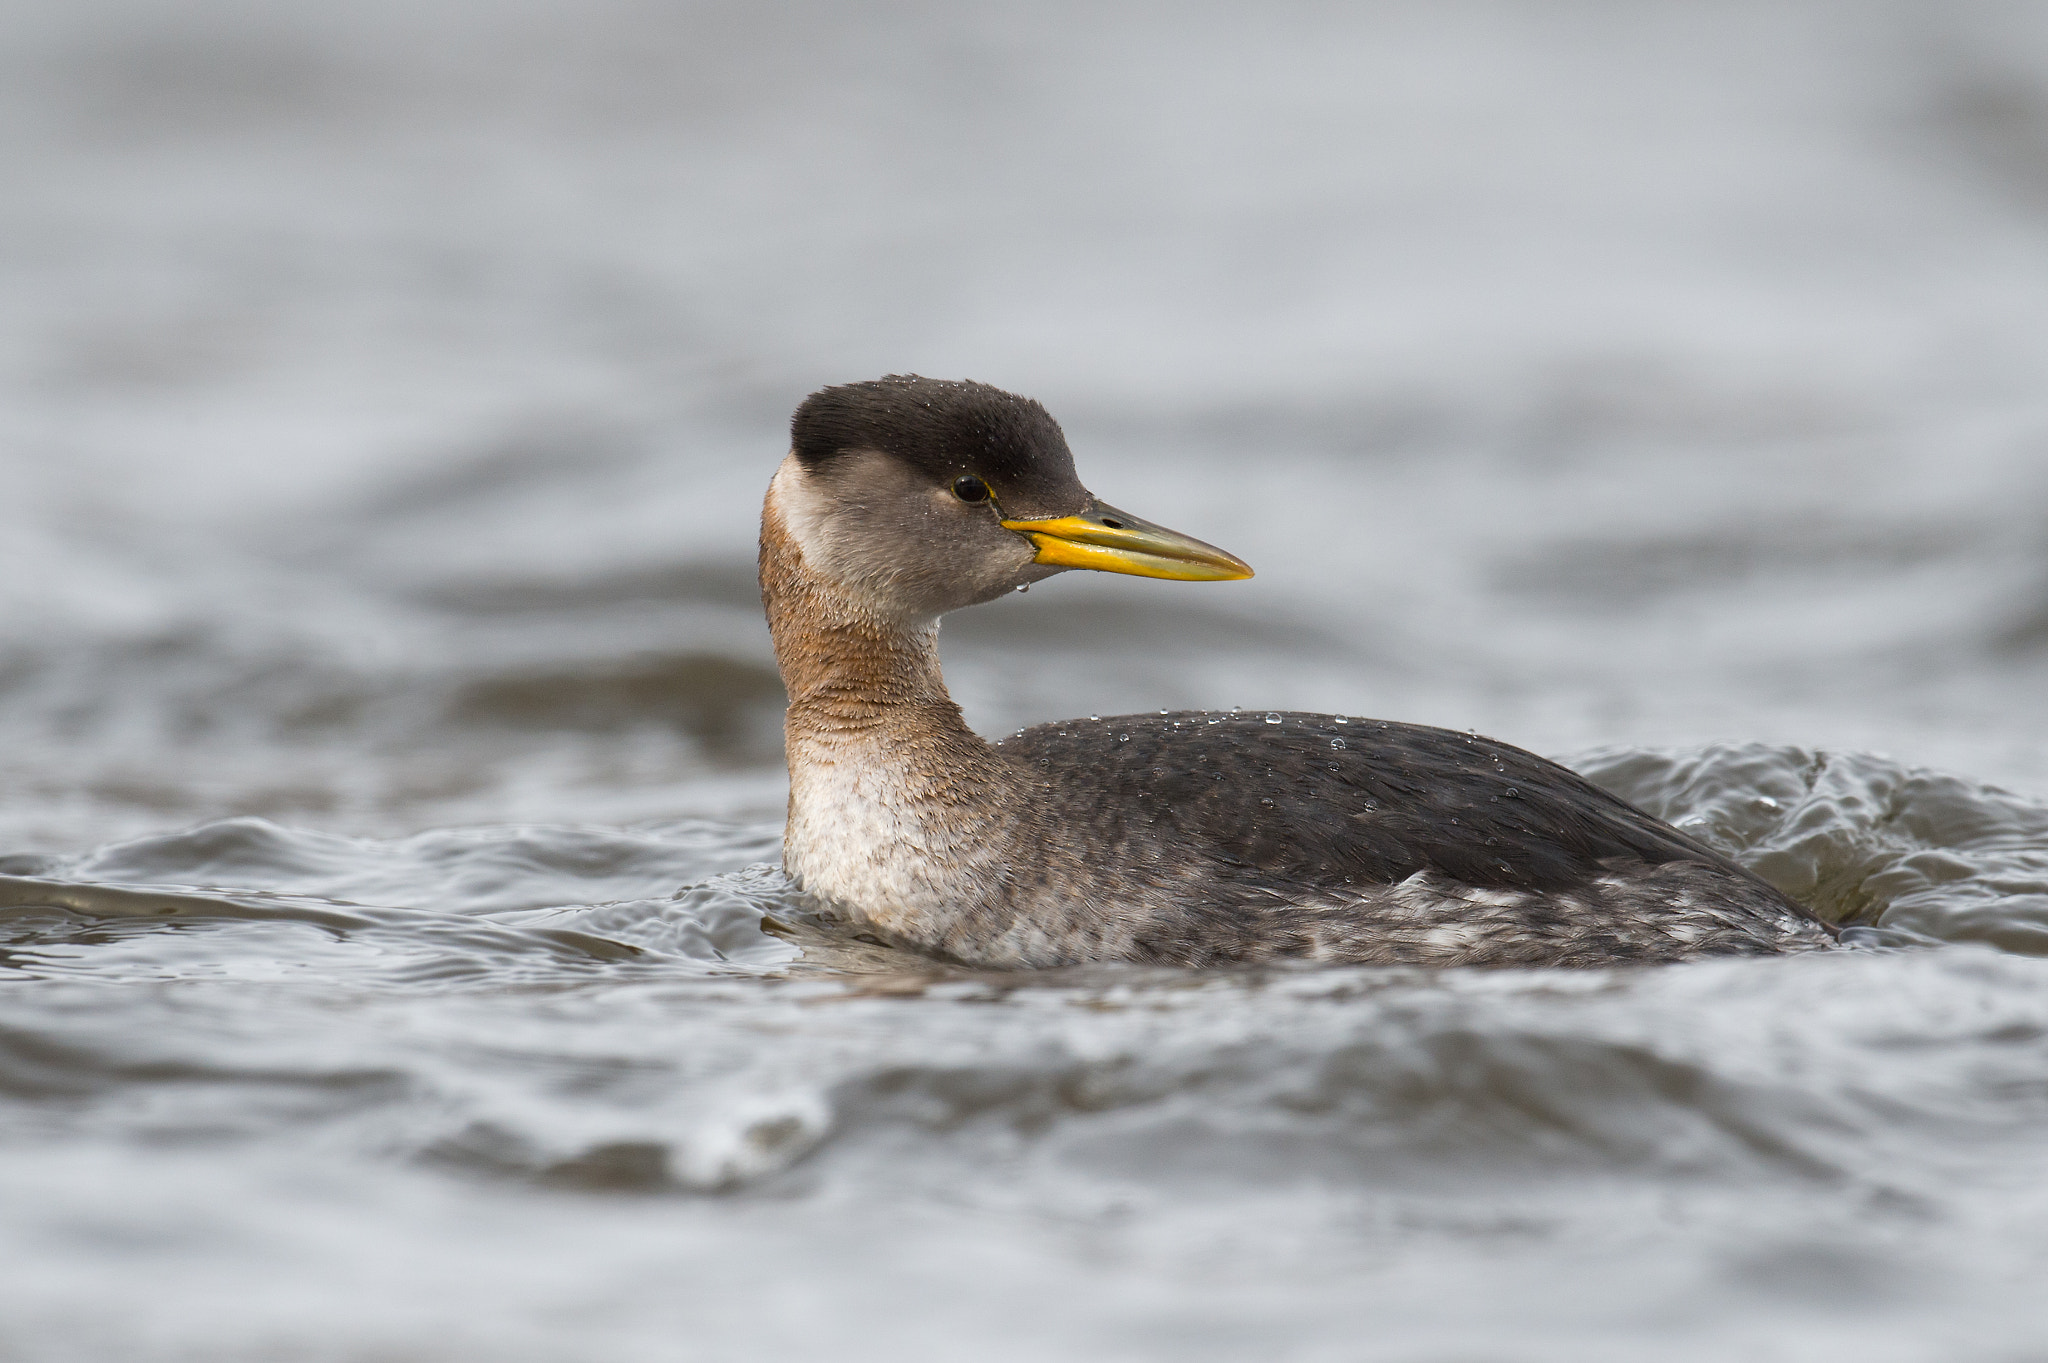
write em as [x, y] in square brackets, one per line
[1332, 838]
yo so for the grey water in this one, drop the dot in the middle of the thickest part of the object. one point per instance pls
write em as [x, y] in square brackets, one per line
[393, 959]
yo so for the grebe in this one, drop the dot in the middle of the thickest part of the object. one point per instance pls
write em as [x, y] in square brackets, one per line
[1184, 839]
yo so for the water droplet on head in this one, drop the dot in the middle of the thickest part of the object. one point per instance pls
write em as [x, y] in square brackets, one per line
[1341, 720]
[1511, 792]
[1123, 738]
[1236, 709]
[1336, 742]
[1024, 588]
[1267, 803]
[1095, 716]
[1272, 717]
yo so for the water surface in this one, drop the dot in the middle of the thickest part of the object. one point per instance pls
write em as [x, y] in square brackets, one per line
[393, 962]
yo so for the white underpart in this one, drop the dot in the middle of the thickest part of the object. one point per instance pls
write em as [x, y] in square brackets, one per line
[858, 834]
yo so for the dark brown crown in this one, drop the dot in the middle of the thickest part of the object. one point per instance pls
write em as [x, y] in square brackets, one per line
[945, 428]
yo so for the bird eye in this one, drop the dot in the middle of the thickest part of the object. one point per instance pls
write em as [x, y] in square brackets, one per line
[969, 488]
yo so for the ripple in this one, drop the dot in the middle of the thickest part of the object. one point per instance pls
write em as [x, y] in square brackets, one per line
[470, 922]
[1858, 838]
[469, 870]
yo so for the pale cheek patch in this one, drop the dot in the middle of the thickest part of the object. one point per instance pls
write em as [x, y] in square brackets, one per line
[837, 536]
[803, 509]
[890, 546]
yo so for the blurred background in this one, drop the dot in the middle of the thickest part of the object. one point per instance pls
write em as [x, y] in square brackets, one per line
[387, 390]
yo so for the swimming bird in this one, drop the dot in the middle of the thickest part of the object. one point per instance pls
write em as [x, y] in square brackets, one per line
[1195, 838]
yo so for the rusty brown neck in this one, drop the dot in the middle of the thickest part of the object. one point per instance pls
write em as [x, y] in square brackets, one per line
[899, 814]
[850, 672]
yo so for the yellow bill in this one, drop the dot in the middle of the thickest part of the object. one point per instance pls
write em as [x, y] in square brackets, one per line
[1113, 541]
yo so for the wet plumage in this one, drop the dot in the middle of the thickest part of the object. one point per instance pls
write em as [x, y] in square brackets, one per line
[1192, 838]
[1336, 838]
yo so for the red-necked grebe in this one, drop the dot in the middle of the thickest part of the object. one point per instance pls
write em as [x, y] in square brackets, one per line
[1187, 839]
